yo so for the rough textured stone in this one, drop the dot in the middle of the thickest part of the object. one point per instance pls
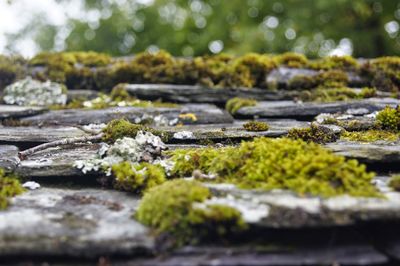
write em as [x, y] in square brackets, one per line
[282, 75]
[8, 157]
[56, 162]
[284, 209]
[199, 94]
[72, 223]
[371, 153]
[14, 111]
[310, 109]
[205, 114]
[35, 135]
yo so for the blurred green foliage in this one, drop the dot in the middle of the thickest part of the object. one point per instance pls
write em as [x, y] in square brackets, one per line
[368, 28]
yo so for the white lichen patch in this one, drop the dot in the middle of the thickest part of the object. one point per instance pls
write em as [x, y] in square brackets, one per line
[145, 147]
[30, 92]
[252, 211]
[183, 135]
[31, 185]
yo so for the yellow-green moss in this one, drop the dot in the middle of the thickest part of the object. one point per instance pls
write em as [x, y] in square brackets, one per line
[9, 187]
[389, 118]
[138, 177]
[293, 60]
[394, 182]
[314, 133]
[234, 104]
[370, 135]
[11, 68]
[256, 126]
[327, 79]
[305, 168]
[170, 209]
[328, 95]
[384, 72]
[334, 62]
[367, 93]
[119, 128]
[85, 58]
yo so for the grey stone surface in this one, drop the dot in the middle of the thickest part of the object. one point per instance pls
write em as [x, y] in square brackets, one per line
[205, 114]
[282, 75]
[67, 222]
[377, 152]
[199, 94]
[31, 134]
[8, 157]
[361, 254]
[15, 111]
[309, 109]
[81, 94]
[56, 162]
[284, 209]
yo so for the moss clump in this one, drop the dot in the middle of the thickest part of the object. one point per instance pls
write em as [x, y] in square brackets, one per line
[119, 128]
[9, 187]
[90, 59]
[293, 60]
[170, 209]
[234, 104]
[334, 62]
[256, 126]
[11, 68]
[314, 133]
[389, 118]
[137, 177]
[370, 135]
[305, 168]
[384, 72]
[323, 80]
[367, 93]
[394, 182]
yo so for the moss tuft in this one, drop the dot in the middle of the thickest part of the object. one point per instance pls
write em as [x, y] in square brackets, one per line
[394, 182]
[305, 168]
[11, 68]
[370, 135]
[170, 209]
[314, 133]
[334, 62]
[137, 178]
[389, 118]
[291, 59]
[234, 104]
[256, 126]
[9, 187]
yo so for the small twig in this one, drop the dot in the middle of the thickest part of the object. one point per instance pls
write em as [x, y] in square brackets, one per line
[23, 154]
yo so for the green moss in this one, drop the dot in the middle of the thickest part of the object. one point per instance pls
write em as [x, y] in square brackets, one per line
[384, 72]
[170, 209]
[328, 95]
[389, 118]
[367, 93]
[305, 168]
[9, 187]
[293, 60]
[234, 104]
[11, 68]
[119, 128]
[370, 135]
[256, 126]
[327, 79]
[334, 62]
[85, 58]
[137, 178]
[314, 133]
[394, 182]
[301, 82]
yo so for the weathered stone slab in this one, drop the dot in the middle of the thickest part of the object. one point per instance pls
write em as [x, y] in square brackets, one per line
[199, 94]
[15, 111]
[370, 153]
[8, 157]
[203, 114]
[72, 223]
[32, 135]
[81, 94]
[281, 76]
[310, 109]
[284, 209]
[56, 162]
[349, 254]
